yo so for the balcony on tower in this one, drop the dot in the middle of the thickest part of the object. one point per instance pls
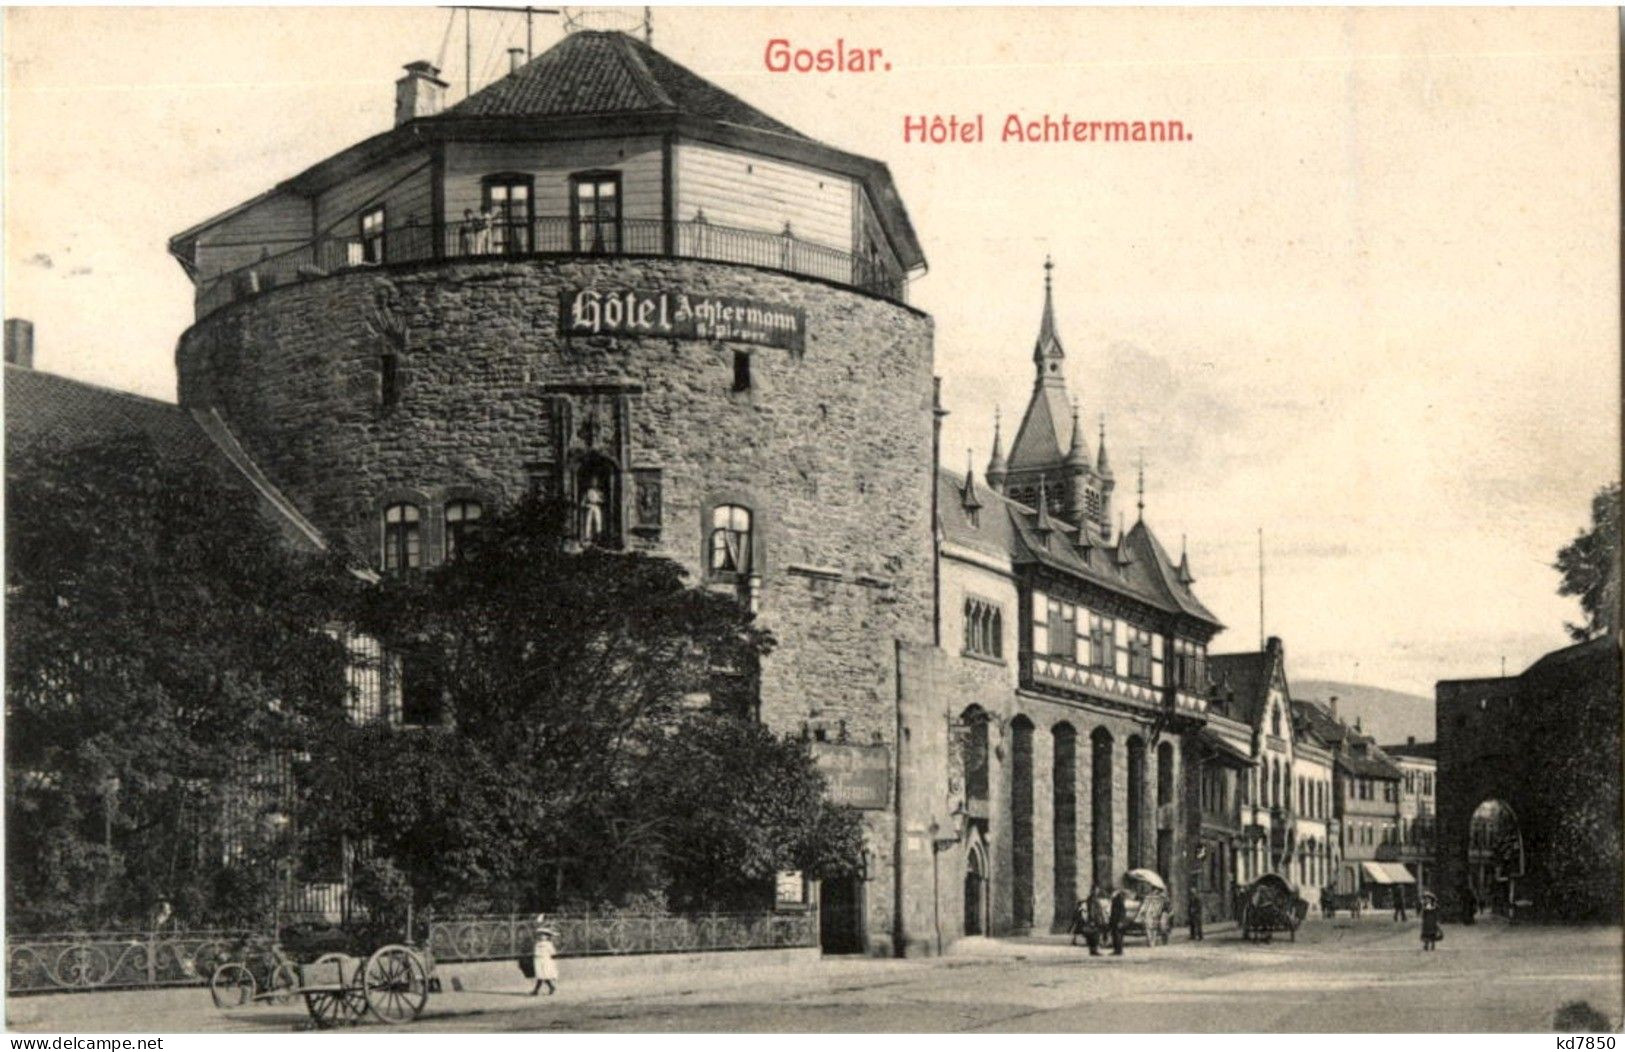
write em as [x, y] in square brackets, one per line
[600, 146]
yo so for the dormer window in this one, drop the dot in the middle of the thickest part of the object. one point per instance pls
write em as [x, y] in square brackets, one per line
[595, 212]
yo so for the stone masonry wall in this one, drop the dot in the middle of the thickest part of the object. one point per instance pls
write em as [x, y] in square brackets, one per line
[830, 447]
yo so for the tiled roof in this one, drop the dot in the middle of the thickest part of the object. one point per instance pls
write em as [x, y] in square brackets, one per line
[1008, 530]
[1372, 765]
[42, 408]
[1413, 751]
[596, 72]
[1319, 723]
[1039, 442]
[1243, 677]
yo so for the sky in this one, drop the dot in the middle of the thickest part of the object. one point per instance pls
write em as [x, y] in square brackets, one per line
[1370, 306]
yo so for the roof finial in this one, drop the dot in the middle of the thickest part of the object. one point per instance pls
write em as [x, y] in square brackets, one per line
[1047, 350]
[1184, 574]
[997, 469]
[1141, 504]
[1103, 465]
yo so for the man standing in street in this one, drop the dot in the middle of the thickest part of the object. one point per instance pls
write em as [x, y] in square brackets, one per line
[1399, 904]
[1118, 919]
[1194, 908]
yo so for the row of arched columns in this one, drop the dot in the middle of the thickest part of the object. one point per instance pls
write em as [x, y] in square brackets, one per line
[1098, 824]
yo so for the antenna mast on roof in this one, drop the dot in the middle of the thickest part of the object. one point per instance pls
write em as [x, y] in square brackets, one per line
[530, 14]
[1261, 588]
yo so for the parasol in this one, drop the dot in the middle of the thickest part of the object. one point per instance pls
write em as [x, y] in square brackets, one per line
[1146, 876]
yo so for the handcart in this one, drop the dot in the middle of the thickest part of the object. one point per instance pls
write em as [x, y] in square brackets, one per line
[391, 985]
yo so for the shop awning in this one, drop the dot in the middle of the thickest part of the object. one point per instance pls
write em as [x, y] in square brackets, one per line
[1387, 873]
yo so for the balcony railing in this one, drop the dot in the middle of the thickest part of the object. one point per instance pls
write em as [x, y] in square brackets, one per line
[550, 236]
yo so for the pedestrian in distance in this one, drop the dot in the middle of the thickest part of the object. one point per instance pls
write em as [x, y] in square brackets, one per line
[1118, 920]
[1094, 920]
[1399, 905]
[1431, 932]
[1194, 907]
[1469, 904]
[1080, 921]
[541, 957]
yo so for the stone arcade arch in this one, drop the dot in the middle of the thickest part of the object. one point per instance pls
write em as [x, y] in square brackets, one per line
[1021, 824]
[1136, 802]
[1100, 807]
[1065, 813]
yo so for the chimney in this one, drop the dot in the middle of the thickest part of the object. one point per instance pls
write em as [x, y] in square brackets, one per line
[20, 342]
[1357, 725]
[1410, 739]
[421, 93]
[1333, 704]
[515, 59]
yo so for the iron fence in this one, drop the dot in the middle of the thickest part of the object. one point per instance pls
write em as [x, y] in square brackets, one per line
[549, 236]
[588, 934]
[113, 960]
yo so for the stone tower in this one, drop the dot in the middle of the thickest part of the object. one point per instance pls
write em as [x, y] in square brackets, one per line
[605, 279]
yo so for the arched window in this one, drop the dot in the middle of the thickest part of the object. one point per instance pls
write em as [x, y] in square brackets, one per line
[729, 546]
[402, 538]
[462, 519]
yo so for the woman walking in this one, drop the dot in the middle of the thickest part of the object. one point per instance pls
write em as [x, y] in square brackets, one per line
[541, 958]
[1430, 921]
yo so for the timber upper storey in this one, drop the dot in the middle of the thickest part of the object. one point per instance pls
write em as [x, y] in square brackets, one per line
[599, 146]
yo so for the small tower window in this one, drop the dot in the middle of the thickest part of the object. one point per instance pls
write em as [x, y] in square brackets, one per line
[741, 371]
[402, 539]
[389, 381]
[730, 541]
[462, 520]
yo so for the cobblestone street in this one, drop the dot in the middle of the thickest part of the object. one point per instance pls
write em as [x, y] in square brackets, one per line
[1340, 975]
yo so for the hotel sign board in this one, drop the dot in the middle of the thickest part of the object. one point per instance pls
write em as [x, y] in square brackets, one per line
[858, 775]
[680, 315]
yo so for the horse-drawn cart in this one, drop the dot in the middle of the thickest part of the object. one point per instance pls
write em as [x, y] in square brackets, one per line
[391, 985]
[1269, 905]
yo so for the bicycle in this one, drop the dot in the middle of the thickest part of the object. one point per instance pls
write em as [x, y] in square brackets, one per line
[260, 967]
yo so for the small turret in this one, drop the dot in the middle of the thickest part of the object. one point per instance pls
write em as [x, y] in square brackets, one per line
[1076, 469]
[1185, 577]
[1041, 523]
[968, 498]
[1047, 352]
[997, 469]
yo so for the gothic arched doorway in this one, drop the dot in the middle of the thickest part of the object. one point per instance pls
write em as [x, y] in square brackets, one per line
[976, 896]
[1495, 860]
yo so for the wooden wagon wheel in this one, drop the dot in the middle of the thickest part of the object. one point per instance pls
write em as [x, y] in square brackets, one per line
[395, 984]
[231, 986]
[328, 1008]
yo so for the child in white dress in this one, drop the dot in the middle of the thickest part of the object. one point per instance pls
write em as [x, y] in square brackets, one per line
[541, 957]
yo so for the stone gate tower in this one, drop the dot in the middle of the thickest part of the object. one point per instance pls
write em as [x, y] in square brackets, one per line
[605, 279]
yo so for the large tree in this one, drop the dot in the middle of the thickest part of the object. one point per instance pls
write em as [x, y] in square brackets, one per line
[164, 648]
[589, 695]
[1590, 567]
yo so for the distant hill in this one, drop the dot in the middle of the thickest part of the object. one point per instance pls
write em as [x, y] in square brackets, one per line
[1390, 716]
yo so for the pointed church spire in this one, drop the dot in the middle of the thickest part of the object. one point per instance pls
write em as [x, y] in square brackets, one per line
[968, 498]
[997, 469]
[1185, 577]
[1104, 467]
[1047, 352]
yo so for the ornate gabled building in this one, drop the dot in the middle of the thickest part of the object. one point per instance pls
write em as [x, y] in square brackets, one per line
[1072, 683]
